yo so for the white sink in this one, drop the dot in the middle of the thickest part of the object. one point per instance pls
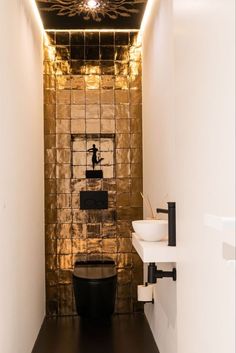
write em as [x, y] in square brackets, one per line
[151, 229]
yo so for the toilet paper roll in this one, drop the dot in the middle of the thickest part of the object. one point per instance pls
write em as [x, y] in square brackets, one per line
[145, 293]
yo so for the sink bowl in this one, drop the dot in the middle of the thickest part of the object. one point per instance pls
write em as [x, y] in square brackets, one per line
[151, 230]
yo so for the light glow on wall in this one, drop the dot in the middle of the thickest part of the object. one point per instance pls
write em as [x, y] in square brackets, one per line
[37, 15]
[146, 18]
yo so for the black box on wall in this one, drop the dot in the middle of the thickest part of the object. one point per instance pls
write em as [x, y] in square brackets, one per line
[93, 200]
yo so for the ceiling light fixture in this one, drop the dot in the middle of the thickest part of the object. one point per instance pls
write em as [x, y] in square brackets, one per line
[93, 9]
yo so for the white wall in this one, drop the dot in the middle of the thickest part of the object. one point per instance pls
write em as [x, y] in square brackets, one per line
[188, 98]
[21, 177]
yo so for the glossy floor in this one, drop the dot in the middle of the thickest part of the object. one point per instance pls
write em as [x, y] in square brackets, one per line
[120, 334]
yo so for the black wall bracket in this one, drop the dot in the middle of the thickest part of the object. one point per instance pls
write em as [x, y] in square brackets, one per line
[154, 273]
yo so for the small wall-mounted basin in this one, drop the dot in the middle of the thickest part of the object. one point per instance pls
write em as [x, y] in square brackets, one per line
[151, 230]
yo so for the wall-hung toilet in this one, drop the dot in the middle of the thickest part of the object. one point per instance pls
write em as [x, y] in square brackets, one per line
[95, 287]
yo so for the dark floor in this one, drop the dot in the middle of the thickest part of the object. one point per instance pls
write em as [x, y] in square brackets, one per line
[120, 334]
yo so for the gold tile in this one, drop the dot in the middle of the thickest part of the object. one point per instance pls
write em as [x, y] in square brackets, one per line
[106, 145]
[77, 126]
[124, 228]
[136, 170]
[79, 246]
[136, 125]
[108, 171]
[124, 245]
[121, 82]
[124, 276]
[92, 111]
[79, 230]
[50, 155]
[123, 140]
[123, 185]
[79, 216]
[49, 81]
[107, 82]
[122, 111]
[109, 245]
[78, 185]
[107, 96]
[63, 186]
[93, 126]
[136, 185]
[50, 186]
[122, 125]
[136, 141]
[92, 68]
[63, 82]
[65, 262]
[136, 155]
[50, 215]
[63, 126]
[63, 171]
[50, 202]
[136, 199]
[109, 230]
[121, 96]
[63, 155]
[51, 278]
[50, 231]
[94, 184]
[49, 126]
[123, 200]
[135, 68]
[64, 246]
[135, 82]
[63, 97]
[135, 97]
[122, 170]
[79, 158]
[49, 96]
[50, 171]
[49, 68]
[94, 246]
[107, 125]
[108, 158]
[122, 155]
[50, 246]
[65, 277]
[77, 82]
[93, 97]
[92, 82]
[63, 67]
[64, 230]
[63, 140]
[136, 111]
[79, 172]
[63, 111]
[93, 230]
[121, 69]
[49, 111]
[50, 141]
[64, 215]
[51, 262]
[107, 111]
[77, 111]
[124, 260]
[75, 201]
[77, 97]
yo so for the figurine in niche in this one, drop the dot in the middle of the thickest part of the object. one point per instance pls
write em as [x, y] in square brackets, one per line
[95, 160]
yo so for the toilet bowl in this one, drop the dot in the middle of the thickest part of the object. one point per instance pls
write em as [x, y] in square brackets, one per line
[95, 287]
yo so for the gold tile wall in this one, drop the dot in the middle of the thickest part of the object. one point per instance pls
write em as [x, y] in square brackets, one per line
[92, 85]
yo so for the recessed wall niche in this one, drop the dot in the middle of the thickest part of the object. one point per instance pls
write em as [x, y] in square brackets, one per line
[92, 95]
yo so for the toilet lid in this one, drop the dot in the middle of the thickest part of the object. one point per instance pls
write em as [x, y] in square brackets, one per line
[94, 271]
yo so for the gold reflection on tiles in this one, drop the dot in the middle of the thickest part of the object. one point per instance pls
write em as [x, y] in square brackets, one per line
[83, 98]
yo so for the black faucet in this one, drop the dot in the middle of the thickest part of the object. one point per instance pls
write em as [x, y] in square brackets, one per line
[171, 222]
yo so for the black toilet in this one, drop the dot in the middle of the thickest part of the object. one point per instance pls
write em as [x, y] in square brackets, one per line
[95, 287]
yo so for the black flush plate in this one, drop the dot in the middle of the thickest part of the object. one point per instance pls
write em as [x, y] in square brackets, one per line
[93, 200]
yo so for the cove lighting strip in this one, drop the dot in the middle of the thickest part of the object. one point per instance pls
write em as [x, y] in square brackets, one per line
[146, 18]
